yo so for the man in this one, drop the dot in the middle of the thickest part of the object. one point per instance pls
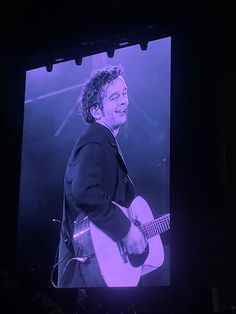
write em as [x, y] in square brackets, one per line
[96, 178]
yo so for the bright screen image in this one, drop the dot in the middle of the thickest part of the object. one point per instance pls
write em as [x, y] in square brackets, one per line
[94, 188]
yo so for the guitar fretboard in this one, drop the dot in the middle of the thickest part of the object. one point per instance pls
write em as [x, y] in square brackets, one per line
[155, 227]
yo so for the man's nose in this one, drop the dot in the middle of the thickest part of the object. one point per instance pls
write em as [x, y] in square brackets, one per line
[124, 100]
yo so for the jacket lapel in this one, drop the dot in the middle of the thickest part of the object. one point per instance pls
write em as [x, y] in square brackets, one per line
[120, 157]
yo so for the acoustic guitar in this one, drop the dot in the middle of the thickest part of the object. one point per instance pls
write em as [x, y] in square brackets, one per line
[116, 266]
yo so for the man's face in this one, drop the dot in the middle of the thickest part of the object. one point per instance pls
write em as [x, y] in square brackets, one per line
[115, 104]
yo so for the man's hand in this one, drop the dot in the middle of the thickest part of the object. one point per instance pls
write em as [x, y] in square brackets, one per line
[135, 241]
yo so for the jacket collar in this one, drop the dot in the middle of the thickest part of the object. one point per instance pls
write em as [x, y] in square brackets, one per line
[111, 139]
[104, 130]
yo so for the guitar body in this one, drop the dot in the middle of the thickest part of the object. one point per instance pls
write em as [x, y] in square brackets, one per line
[142, 212]
[115, 271]
[112, 262]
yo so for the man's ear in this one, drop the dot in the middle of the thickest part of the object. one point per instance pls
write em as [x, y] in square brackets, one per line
[96, 112]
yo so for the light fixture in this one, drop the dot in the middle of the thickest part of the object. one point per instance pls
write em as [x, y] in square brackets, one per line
[110, 52]
[49, 67]
[78, 60]
[143, 45]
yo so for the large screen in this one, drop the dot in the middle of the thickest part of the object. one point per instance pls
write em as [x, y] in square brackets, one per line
[52, 127]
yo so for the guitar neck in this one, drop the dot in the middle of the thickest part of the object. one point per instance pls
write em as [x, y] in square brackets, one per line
[155, 227]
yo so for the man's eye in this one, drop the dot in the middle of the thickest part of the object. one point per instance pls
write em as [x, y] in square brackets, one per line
[115, 97]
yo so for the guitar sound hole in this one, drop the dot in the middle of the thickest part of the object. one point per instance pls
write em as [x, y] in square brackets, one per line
[137, 260]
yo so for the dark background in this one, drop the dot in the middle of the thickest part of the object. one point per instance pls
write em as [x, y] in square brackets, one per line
[202, 133]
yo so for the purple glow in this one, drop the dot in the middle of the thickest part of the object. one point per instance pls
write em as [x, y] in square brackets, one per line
[51, 127]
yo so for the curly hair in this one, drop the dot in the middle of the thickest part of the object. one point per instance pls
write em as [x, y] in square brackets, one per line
[93, 90]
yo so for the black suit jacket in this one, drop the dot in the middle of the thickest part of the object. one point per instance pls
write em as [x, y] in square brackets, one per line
[96, 175]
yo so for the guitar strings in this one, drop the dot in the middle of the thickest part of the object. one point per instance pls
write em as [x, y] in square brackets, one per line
[157, 226]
